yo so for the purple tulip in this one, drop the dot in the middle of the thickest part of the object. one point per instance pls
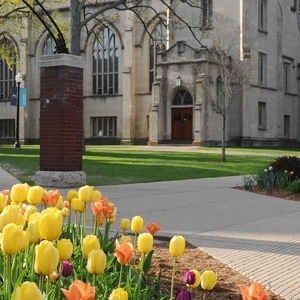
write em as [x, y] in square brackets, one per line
[189, 277]
[183, 294]
[66, 268]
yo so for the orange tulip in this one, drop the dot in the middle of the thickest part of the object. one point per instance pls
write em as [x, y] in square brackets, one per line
[123, 252]
[81, 291]
[254, 292]
[153, 227]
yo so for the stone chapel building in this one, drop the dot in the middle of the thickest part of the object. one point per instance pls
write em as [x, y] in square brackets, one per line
[142, 89]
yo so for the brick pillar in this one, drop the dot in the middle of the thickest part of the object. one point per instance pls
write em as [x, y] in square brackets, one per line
[61, 121]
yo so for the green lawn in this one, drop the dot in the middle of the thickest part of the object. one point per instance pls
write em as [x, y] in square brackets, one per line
[109, 165]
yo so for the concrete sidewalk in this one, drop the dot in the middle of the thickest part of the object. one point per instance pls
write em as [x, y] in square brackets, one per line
[256, 235]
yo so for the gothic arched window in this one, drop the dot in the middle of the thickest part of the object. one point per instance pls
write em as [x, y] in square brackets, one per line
[262, 15]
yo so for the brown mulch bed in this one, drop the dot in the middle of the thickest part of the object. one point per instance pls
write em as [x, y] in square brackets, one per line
[229, 280]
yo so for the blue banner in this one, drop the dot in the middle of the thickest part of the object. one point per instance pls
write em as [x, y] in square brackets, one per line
[14, 96]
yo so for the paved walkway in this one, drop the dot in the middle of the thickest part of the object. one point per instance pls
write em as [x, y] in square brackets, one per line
[257, 235]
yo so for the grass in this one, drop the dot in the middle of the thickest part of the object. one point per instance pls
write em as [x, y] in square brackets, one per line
[111, 165]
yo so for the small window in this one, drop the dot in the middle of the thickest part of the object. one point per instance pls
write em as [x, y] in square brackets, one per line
[207, 12]
[49, 46]
[287, 126]
[262, 115]
[182, 98]
[287, 69]
[262, 15]
[219, 90]
[262, 69]
[104, 127]
[7, 128]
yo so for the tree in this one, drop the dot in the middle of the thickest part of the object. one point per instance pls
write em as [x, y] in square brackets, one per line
[82, 12]
[234, 72]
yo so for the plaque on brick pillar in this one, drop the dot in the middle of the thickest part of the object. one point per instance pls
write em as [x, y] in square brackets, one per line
[61, 121]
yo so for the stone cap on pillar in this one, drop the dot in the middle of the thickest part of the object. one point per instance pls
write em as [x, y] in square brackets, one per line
[63, 59]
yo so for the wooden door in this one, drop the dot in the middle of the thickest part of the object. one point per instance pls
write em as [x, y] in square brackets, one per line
[182, 123]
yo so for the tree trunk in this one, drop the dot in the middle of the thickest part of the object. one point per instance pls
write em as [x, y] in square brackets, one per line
[223, 138]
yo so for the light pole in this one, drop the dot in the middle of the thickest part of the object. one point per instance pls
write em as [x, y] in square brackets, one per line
[19, 79]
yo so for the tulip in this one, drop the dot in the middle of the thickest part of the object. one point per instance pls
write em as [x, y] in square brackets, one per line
[145, 242]
[60, 203]
[123, 252]
[137, 224]
[208, 280]
[50, 224]
[52, 196]
[30, 209]
[118, 294]
[25, 240]
[90, 242]
[77, 205]
[18, 192]
[96, 194]
[66, 268]
[12, 239]
[33, 231]
[254, 292]
[96, 262]
[112, 217]
[125, 238]
[125, 224]
[80, 290]
[189, 277]
[183, 294]
[197, 279]
[46, 258]
[72, 194]
[3, 201]
[177, 246]
[28, 291]
[35, 194]
[153, 227]
[85, 193]
[65, 212]
[65, 248]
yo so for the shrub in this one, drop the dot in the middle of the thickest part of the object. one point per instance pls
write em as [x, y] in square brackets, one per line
[290, 164]
[294, 187]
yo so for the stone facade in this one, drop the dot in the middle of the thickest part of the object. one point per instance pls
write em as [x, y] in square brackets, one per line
[265, 113]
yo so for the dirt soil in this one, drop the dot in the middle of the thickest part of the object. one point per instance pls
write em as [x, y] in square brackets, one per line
[229, 280]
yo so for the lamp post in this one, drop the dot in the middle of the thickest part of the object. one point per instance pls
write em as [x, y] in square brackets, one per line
[19, 79]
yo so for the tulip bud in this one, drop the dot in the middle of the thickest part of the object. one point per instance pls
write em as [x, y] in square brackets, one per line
[177, 245]
[35, 194]
[197, 279]
[46, 258]
[85, 193]
[12, 239]
[3, 201]
[96, 262]
[125, 224]
[118, 294]
[145, 242]
[65, 248]
[28, 291]
[33, 231]
[125, 238]
[50, 224]
[60, 203]
[72, 194]
[65, 212]
[183, 294]
[77, 205]
[30, 209]
[96, 194]
[189, 277]
[208, 280]
[137, 224]
[18, 192]
[66, 268]
[89, 243]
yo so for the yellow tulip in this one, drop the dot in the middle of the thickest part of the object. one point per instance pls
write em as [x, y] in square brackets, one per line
[12, 239]
[125, 238]
[28, 291]
[25, 240]
[65, 212]
[60, 203]
[96, 262]
[46, 258]
[125, 224]
[3, 201]
[72, 194]
[35, 194]
[18, 192]
[208, 280]
[137, 224]
[145, 242]
[118, 294]
[33, 231]
[89, 243]
[177, 245]
[96, 194]
[85, 193]
[50, 224]
[197, 281]
[30, 209]
[65, 248]
[112, 218]
[77, 205]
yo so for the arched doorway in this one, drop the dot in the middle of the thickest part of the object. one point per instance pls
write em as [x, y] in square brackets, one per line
[182, 116]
